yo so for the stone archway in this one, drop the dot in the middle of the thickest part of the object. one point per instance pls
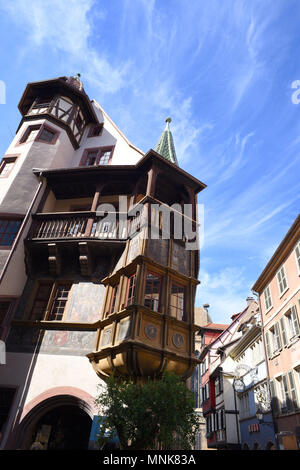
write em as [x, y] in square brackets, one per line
[53, 417]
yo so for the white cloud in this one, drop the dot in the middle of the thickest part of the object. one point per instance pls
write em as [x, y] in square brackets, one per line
[65, 26]
[225, 291]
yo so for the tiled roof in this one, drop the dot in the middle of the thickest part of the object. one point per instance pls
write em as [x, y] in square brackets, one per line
[165, 145]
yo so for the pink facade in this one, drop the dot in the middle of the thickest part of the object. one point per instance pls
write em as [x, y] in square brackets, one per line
[279, 293]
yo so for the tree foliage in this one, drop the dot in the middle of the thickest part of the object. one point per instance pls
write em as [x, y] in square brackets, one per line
[158, 414]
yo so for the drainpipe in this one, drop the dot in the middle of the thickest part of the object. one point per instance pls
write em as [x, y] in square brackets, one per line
[17, 239]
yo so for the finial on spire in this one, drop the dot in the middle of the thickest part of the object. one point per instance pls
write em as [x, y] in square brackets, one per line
[165, 145]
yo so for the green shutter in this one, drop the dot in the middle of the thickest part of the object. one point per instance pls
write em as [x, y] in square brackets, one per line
[277, 332]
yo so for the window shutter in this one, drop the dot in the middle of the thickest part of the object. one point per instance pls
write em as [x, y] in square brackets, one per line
[295, 319]
[283, 331]
[277, 333]
[294, 395]
[268, 344]
[286, 392]
[274, 398]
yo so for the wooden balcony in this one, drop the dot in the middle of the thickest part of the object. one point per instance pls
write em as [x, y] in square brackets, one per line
[60, 242]
[74, 225]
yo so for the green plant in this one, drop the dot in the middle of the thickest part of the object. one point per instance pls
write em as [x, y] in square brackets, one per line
[158, 414]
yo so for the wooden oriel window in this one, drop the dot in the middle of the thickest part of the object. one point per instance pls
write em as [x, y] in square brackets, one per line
[97, 156]
[152, 291]
[130, 289]
[50, 301]
[7, 165]
[96, 130]
[114, 294]
[8, 231]
[177, 301]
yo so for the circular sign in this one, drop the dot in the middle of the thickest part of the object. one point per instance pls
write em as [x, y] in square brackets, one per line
[178, 340]
[150, 331]
[238, 385]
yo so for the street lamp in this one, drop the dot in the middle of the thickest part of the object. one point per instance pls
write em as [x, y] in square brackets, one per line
[259, 415]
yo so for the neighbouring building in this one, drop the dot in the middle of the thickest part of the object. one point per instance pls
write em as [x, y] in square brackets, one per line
[278, 288]
[230, 419]
[246, 359]
[84, 291]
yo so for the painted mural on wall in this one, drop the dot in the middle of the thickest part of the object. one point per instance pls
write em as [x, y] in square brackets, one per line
[56, 341]
[85, 303]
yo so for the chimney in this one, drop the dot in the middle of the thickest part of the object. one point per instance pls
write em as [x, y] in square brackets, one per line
[249, 300]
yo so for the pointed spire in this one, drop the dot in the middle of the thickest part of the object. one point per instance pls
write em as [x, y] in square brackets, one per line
[165, 145]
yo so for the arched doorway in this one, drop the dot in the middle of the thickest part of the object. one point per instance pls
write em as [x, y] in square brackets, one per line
[58, 422]
[63, 428]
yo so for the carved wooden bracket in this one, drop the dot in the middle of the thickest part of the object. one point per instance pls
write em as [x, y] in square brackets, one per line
[54, 259]
[85, 259]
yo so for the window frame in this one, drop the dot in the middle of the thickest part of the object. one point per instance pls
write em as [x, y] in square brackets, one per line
[128, 288]
[160, 277]
[49, 304]
[39, 127]
[171, 307]
[100, 151]
[9, 219]
[6, 159]
[94, 127]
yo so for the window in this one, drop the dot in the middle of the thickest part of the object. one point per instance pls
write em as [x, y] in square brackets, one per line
[293, 390]
[152, 291]
[244, 406]
[50, 301]
[42, 102]
[285, 402]
[205, 392]
[8, 231]
[268, 298]
[177, 301]
[98, 156]
[59, 302]
[293, 322]
[47, 135]
[41, 133]
[96, 131]
[113, 298]
[7, 165]
[30, 134]
[282, 281]
[297, 253]
[39, 308]
[131, 289]
[276, 340]
[219, 385]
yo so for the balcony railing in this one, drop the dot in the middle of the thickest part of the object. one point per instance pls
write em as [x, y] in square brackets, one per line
[80, 225]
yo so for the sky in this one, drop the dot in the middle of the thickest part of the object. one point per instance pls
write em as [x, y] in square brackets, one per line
[223, 71]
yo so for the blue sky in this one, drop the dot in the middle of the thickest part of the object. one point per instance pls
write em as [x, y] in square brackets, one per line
[223, 71]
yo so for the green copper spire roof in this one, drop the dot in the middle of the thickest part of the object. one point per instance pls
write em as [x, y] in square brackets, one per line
[165, 146]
